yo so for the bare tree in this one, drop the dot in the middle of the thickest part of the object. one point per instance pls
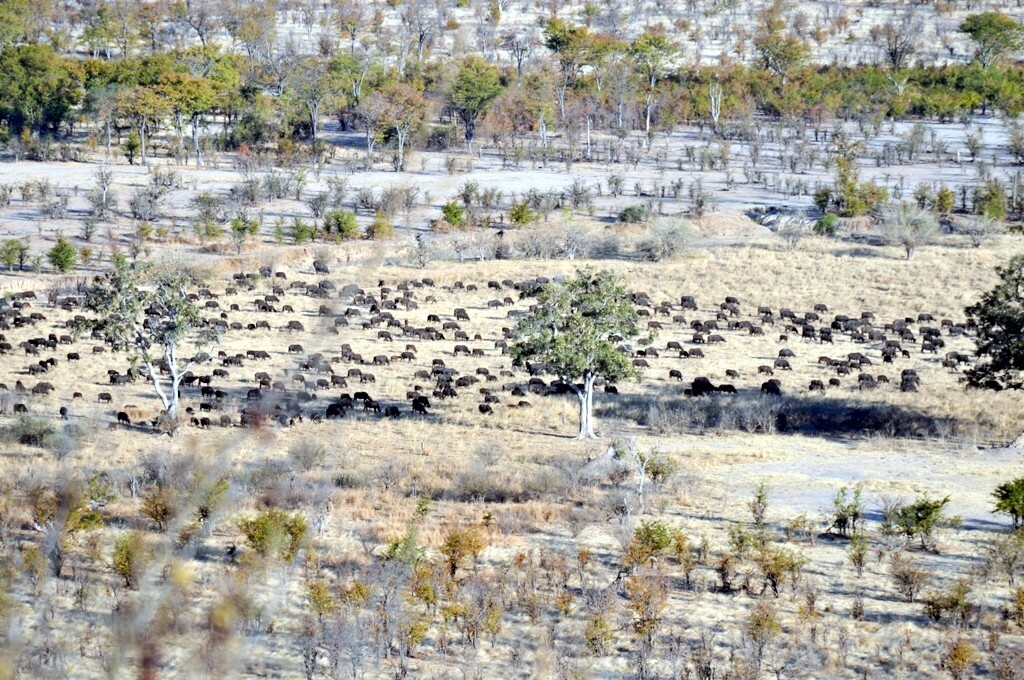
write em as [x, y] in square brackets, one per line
[199, 15]
[519, 47]
[897, 38]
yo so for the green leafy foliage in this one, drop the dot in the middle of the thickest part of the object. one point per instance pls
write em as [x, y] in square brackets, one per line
[342, 224]
[571, 331]
[996, 35]
[274, 533]
[919, 518]
[999, 318]
[145, 309]
[62, 255]
[38, 88]
[476, 86]
[130, 558]
[1010, 500]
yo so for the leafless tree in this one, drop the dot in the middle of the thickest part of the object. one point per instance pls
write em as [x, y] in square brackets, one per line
[897, 38]
[519, 46]
[199, 15]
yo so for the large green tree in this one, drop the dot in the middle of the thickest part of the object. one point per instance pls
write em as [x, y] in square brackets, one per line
[995, 34]
[999, 318]
[573, 330]
[38, 88]
[145, 309]
[476, 86]
[189, 98]
[652, 52]
[145, 108]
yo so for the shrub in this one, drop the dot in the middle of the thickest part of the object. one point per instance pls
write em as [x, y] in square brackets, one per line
[858, 552]
[31, 431]
[308, 454]
[958, 658]
[979, 229]
[990, 200]
[954, 602]
[342, 224]
[791, 230]
[827, 225]
[908, 226]
[908, 578]
[777, 564]
[62, 255]
[919, 518]
[303, 232]
[453, 214]
[945, 200]
[130, 558]
[665, 239]
[520, 214]
[159, 505]
[633, 214]
[649, 540]
[460, 543]
[144, 203]
[381, 227]
[599, 635]
[1010, 500]
[274, 532]
[847, 511]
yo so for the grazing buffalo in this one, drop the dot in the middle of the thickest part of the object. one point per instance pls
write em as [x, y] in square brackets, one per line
[700, 387]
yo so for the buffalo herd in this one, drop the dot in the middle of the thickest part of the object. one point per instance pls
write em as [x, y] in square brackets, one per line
[429, 354]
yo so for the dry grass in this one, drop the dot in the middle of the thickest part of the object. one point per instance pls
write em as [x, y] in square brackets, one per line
[537, 496]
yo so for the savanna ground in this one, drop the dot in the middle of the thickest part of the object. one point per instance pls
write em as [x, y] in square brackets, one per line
[460, 544]
[542, 597]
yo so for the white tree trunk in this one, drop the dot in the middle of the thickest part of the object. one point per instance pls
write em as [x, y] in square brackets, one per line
[195, 141]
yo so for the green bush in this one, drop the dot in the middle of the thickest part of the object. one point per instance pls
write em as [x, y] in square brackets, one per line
[1010, 500]
[130, 558]
[342, 224]
[454, 214]
[634, 214]
[919, 518]
[520, 214]
[63, 255]
[303, 232]
[826, 225]
[274, 532]
[381, 227]
[649, 539]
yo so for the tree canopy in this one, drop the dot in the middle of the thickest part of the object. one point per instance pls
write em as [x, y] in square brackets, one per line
[476, 86]
[996, 35]
[999, 318]
[1010, 500]
[145, 309]
[573, 332]
[38, 88]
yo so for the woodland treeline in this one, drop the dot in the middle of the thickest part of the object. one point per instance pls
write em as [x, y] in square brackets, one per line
[222, 76]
